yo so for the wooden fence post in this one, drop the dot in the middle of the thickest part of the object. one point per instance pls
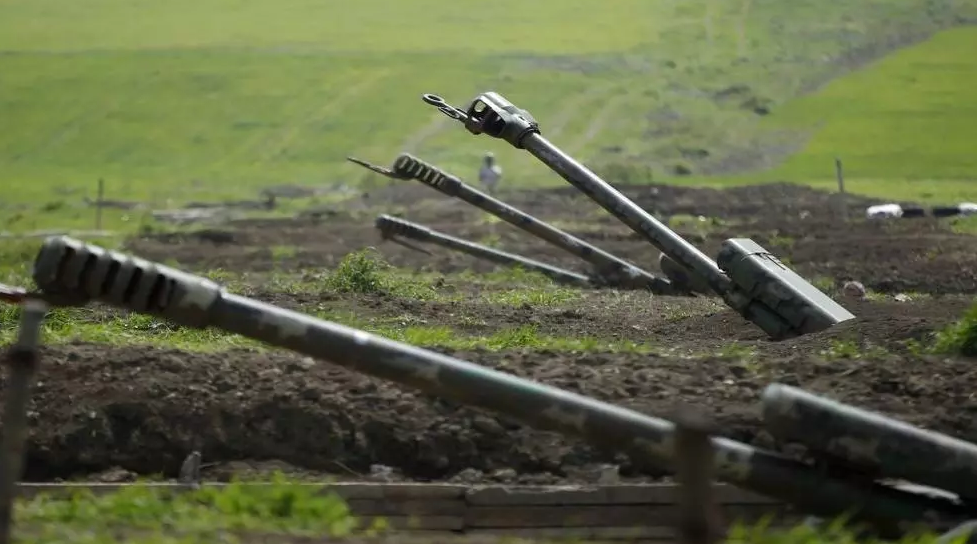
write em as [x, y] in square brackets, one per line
[841, 197]
[699, 517]
[98, 204]
[21, 361]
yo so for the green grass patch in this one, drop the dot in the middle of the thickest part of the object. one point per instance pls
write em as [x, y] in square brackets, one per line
[210, 514]
[964, 224]
[365, 271]
[358, 273]
[851, 350]
[100, 325]
[959, 338]
[176, 101]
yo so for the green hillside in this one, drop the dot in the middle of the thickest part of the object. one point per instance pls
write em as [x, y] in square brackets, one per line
[190, 100]
[903, 127]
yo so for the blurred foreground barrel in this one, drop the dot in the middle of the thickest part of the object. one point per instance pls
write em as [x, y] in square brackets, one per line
[871, 441]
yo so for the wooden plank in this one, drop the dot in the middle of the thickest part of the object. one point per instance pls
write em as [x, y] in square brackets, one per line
[597, 495]
[663, 532]
[424, 491]
[728, 494]
[418, 523]
[574, 533]
[539, 516]
[502, 495]
[413, 507]
[562, 516]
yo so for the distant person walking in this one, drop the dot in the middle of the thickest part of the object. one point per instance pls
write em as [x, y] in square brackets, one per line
[490, 173]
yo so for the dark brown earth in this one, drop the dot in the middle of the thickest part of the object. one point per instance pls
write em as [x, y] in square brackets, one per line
[143, 409]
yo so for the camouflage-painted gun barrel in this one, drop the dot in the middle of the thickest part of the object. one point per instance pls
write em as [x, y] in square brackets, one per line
[393, 226]
[614, 271]
[748, 278]
[65, 265]
[871, 441]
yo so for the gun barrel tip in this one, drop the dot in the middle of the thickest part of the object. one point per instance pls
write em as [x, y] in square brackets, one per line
[772, 392]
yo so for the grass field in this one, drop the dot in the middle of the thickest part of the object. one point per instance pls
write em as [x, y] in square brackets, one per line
[196, 100]
[180, 101]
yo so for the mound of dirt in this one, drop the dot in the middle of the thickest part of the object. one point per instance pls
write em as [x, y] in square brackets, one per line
[143, 408]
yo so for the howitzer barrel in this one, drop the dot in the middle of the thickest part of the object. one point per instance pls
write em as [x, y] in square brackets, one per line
[629, 213]
[871, 441]
[65, 265]
[393, 226]
[616, 271]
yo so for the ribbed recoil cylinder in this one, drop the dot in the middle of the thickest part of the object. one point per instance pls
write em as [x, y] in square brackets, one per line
[65, 265]
[393, 226]
[610, 270]
[409, 166]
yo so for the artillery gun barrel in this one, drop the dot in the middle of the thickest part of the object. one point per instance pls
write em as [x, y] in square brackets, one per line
[748, 278]
[615, 271]
[393, 226]
[65, 265]
[871, 441]
[625, 210]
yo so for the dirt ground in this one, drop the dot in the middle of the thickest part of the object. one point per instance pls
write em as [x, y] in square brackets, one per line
[142, 409]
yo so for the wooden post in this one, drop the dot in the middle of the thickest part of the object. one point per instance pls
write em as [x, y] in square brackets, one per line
[22, 360]
[98, 204]
[842, 199]
[699, 516]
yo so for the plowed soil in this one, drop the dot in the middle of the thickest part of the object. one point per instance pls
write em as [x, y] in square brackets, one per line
[143, 409]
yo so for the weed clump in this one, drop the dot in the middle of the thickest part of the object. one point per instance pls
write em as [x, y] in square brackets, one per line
[361, 271]
[960, 338]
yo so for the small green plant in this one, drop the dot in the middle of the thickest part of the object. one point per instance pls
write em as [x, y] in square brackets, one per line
[823, 283]
[960, 337]
[491, 240]
[849, 349]
[781, 242]
[279, 253]
[533, 297]
[519, 337]
[700, 225]
[966, 224]
[737, 352]
[359, 272]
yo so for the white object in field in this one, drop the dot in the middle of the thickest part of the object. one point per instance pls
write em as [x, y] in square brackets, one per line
[853, 289]
[883, 210]
[967, 208]
[490, 173]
